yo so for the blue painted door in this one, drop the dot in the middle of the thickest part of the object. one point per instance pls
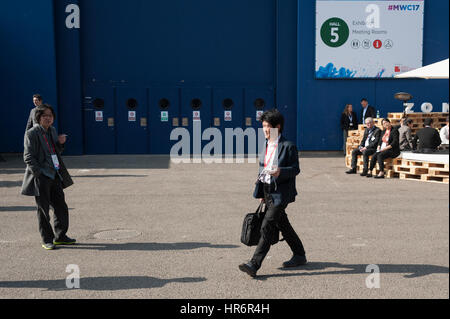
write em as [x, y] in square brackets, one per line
[132, 120]
[99, 122]
[196, 115]
[164, 116]
[257, 100]
[228, 113]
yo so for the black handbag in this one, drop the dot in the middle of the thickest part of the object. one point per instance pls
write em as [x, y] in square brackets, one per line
[251, 228]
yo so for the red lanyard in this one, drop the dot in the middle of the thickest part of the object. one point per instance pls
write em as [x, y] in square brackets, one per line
[268, 161]
[48, 145]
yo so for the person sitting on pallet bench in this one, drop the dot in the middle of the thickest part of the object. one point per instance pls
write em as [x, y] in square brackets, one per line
[388, 147]
[405, 135]
[429, 139]
[367, 147]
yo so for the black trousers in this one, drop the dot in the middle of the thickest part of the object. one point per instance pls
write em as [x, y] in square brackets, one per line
[275, 220]
[380, 157]
[365, 155]
[51, 193]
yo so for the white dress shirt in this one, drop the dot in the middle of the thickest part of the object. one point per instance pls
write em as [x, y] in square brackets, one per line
[444, 135]
[270, 160]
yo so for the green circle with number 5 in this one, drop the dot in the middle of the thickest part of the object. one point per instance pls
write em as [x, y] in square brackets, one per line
[334, 32]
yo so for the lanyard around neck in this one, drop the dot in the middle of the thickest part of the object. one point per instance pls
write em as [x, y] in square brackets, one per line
[48, 145]
[266, 162]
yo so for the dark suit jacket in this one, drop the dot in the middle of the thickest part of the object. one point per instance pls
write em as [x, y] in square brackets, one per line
[428, 137]
[374, 139]
[35, 155]
[393, 141]
[345, 122]
[31, 120]
[371, 112]
[284, 189]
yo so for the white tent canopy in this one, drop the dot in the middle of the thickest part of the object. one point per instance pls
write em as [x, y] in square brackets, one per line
[437, 70]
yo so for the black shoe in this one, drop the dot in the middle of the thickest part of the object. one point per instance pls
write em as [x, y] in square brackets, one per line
[364, 173]
[249, 268]
[352, 171]
[295, 261]
[369, 175]
[378, 176]
[65, 241]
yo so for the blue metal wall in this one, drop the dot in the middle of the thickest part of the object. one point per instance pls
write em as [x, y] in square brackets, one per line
[265, 45]
[27, 65]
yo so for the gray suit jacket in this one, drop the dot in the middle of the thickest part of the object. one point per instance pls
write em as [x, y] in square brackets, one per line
[36, 155]
[31, 120]
[405, 138]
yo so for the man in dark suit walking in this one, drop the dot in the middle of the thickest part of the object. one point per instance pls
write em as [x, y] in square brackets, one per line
[367, 111]
[278, 168]
[367, 147]
[429, 138]
[46, 176]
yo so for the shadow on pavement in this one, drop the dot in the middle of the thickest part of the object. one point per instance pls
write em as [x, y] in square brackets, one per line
[101, 283]
[15, 164]
[10, 184]
[23, 209]
[324, 154]
[18, 209]
[106, 176]
[147, 246]
[410, 271]
[12, 171]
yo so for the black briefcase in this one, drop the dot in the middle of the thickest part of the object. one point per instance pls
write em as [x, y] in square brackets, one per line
[251, 228]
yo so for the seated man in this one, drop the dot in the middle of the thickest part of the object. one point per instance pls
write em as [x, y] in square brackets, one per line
[444, 133]
[405, 135]
[429, 139]
[367, 147]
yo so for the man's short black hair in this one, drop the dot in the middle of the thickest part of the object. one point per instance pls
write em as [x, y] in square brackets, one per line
[38, 96]
[41, 110]
[428, 121]
[408, 121]
[274, 118]
[364, 100]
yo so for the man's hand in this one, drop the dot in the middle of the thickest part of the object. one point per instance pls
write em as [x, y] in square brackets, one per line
[276, 173]
[363, 149]
[62, 139]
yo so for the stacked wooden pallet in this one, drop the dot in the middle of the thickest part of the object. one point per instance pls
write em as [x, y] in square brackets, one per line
[423, 171]
[398, 168]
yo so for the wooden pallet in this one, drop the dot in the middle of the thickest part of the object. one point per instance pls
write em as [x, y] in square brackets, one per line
[408, 169]
[424, 178]
[414, 170]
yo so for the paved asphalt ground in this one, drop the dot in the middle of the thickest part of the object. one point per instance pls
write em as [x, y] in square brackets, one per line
[175, 233]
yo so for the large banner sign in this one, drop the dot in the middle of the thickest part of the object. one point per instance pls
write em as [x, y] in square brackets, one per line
[368, 39]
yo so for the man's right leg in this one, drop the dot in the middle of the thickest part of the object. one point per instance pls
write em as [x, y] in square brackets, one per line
[355, 154]
[268, 230]
[366, 155]
[43, 204]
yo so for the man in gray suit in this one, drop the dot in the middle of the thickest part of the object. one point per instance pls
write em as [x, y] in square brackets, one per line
[405, 135]
[37, 101]
[46, 176]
